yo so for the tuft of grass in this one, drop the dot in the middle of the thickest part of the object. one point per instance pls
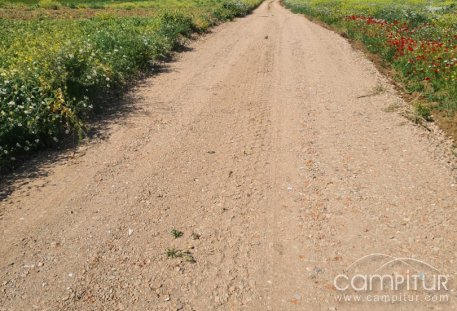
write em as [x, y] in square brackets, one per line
[49, 4]
[173, 253]
[424, 111]
[177, 253]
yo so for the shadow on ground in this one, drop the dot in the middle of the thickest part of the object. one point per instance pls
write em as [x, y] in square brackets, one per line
[114, 107]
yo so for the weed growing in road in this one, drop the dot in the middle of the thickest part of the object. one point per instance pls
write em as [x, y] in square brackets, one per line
[173, 253]
[176, 233]
[177, 253]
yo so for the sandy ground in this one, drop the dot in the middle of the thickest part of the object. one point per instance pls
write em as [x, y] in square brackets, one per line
[277, 151]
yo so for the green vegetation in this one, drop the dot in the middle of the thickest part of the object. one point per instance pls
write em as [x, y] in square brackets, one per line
[177, 253]
[104, 4]
[423, 110]
[417, 39]
[53, 70]
[176, 233]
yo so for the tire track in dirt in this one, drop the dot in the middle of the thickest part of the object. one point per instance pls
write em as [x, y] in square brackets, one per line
[256, 146]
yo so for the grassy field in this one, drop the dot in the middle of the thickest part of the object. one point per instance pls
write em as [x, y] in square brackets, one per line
[104, 4]
[416, 39]
[58, 58]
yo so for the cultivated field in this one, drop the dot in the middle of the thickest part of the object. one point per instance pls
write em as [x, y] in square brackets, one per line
[58, 58]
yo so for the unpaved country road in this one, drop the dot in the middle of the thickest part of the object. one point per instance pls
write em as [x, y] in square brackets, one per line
[272, 148]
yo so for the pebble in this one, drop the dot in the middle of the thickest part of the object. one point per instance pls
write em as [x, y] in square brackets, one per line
[317, 270]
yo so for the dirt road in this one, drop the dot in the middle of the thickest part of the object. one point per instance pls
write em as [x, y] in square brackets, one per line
[274, 147]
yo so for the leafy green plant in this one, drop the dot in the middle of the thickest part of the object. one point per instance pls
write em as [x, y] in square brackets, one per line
[176, 233]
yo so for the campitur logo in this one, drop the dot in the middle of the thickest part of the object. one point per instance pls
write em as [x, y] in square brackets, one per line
[383, 278]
